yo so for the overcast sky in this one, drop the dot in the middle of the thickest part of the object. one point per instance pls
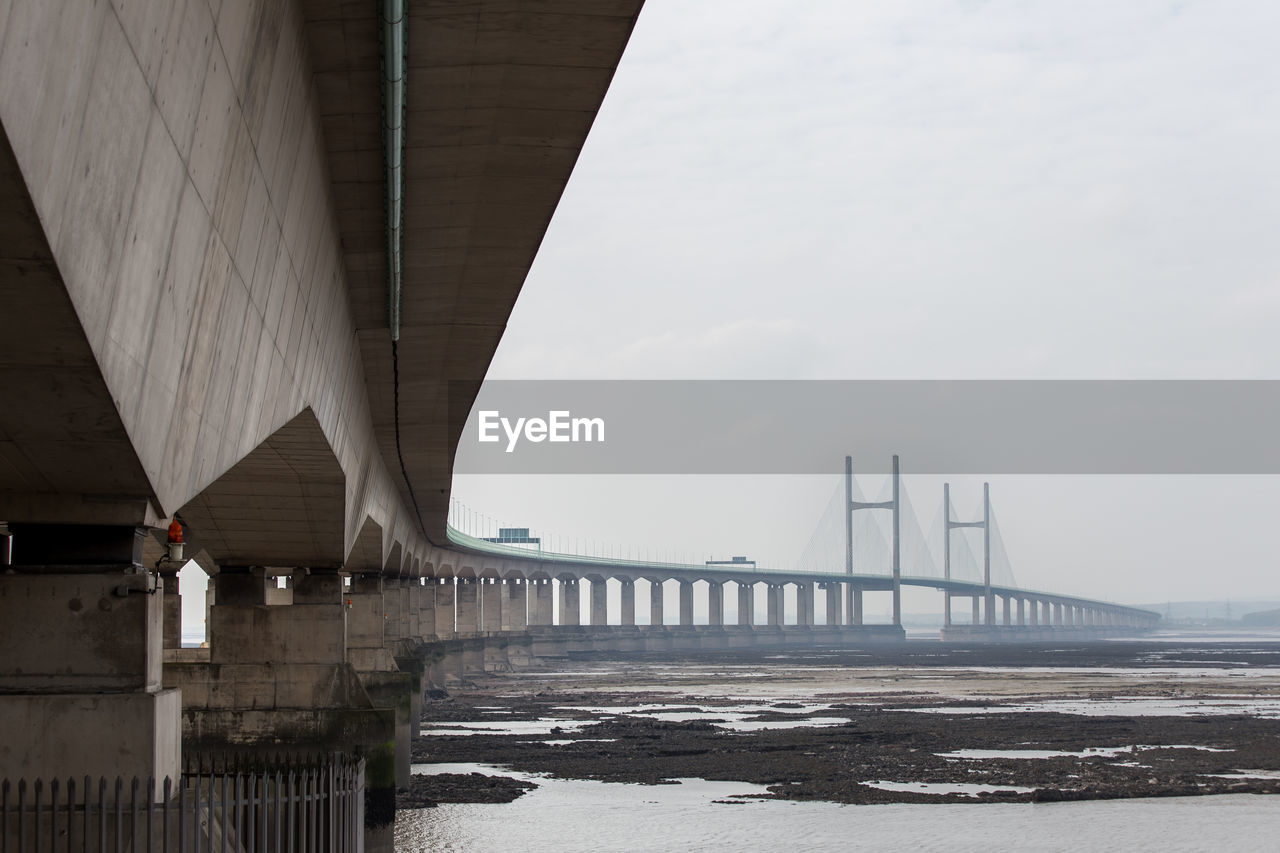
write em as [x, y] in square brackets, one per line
[925, 189]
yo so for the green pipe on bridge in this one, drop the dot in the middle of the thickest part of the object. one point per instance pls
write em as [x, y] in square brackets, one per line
[394, 40]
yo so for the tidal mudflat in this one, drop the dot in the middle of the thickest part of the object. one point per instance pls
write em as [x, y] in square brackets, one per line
[919, 723]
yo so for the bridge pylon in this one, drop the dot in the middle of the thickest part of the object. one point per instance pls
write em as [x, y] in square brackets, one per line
[985, 524]
[852, 506]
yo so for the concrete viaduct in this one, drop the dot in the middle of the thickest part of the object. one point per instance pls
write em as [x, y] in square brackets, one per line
[256, 259]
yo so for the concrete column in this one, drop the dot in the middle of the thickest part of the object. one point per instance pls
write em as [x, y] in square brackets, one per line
[857, 606]
[715, 603]
[446, 594]
[804, 603]
[172, 610]
[599, 601]
[541, 611]
[1022, 612]
[1046, 613]
[311, 630]
[427, 609]
[413, 615]
[628, 601]
[1007, 603]
[1057, 615]
[365, 624]
[1033, 610]
[515, 604]
[686, 603]
[80, 670]
[774, 604]
[946, 609]
[490, 604]
[393, 607]
[570, 603]
[468, 605]
[746, 603]
[655, 603]
[834, 616]
[977, 617]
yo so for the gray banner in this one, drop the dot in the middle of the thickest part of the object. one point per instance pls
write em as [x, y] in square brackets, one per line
[808, 427]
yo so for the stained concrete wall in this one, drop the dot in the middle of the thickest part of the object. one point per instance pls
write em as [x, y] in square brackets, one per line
[173, 153]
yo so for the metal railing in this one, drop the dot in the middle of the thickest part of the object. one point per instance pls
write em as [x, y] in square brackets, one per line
[228, 806]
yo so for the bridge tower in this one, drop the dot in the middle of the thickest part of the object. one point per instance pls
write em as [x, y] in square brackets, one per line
[852, 506]
[985, 524]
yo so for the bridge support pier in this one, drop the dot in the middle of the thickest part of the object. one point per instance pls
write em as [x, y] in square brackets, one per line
[628, 602]
[278, 677]
[570, 602]
[804, 603]
[468, 606]
[172, 610]
[656, 615]
[540, 603]
[83, 647]
[446, 595]
[834, 615]
[599, 601]
[977, 617]
[392, 605]
[774, 604]
[746, 603]
[490, 604]
[427, 609]
[1007, 602]
[686, 603]
[857, 606]
[1022, 612]
[715, 603]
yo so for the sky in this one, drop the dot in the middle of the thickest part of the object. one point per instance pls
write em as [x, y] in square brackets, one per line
[942, 189]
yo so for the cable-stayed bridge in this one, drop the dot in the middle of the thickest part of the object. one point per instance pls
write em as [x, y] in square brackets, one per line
[860, 545]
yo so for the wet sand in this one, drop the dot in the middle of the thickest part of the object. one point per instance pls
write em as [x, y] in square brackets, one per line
[1093, 721]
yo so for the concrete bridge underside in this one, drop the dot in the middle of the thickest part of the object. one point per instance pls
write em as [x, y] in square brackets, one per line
[194, 324]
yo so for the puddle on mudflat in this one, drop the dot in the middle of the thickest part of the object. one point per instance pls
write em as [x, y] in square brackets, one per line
[1091, 752]
[737, 717]
[1088, 752]
[579, 740]
[1246, 774]
[963, 789]
[1119, 706]
[507, 727]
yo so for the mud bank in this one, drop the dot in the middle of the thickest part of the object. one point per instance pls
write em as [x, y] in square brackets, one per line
[928, 724]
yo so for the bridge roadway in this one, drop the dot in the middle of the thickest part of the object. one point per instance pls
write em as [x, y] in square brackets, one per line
[501, 601]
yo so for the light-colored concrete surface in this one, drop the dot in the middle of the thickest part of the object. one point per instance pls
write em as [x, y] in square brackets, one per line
[66, 735]
[79, 633]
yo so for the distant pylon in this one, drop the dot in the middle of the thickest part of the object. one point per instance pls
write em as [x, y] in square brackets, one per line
[894, 504]
[985, 524]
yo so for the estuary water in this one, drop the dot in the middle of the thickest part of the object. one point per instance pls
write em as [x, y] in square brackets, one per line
[565, 816]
